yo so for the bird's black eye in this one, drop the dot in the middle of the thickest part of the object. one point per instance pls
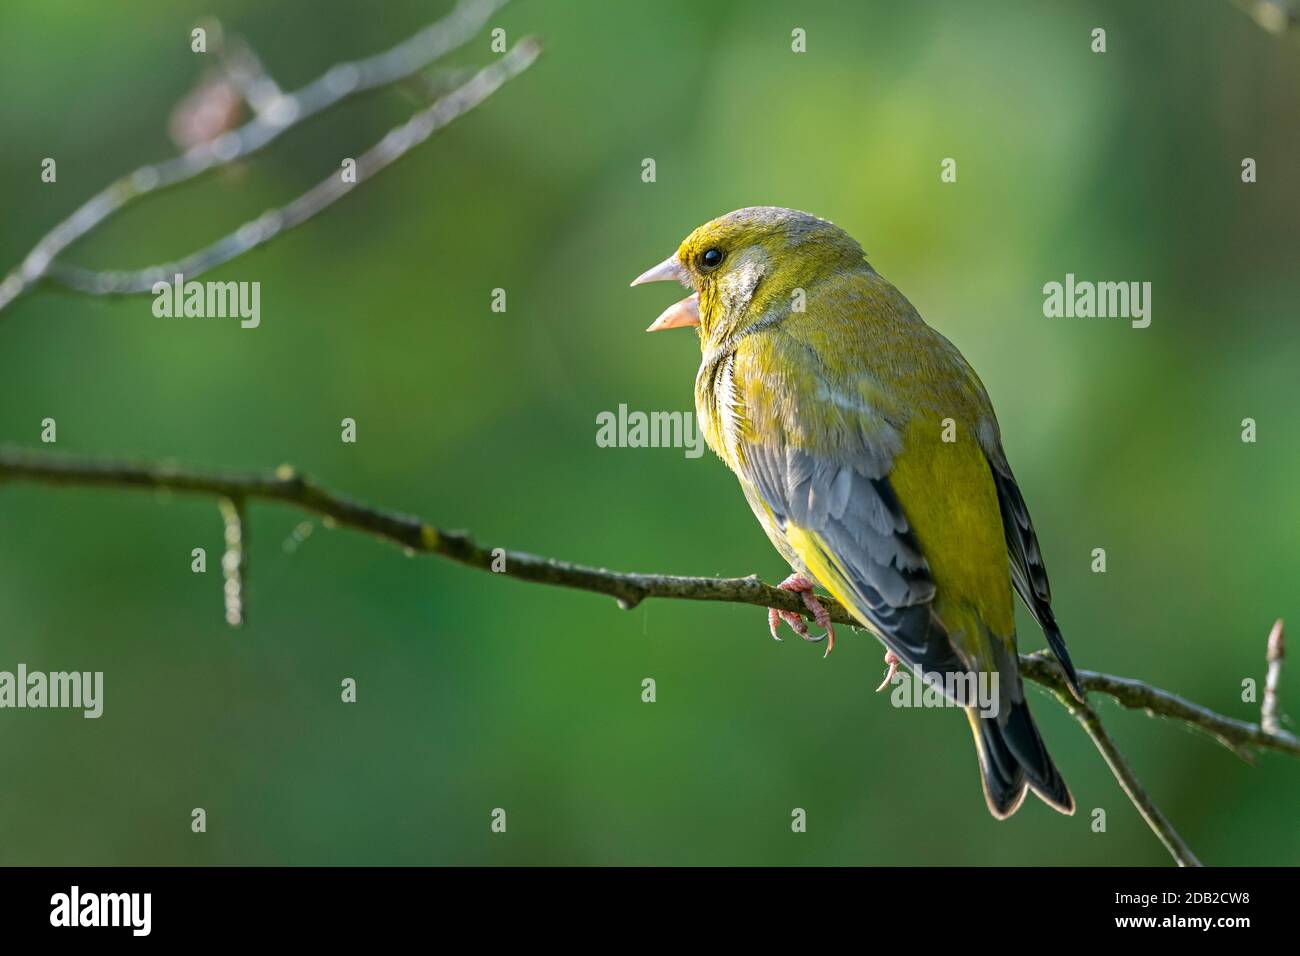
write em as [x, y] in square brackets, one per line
[711, 259]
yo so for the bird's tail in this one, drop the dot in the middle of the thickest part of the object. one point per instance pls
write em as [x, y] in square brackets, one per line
[1013, 760]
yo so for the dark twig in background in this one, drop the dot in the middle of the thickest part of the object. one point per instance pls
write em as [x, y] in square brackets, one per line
[288, 486]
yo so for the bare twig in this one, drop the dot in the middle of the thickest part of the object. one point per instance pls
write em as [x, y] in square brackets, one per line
[1268, 717]
[387, 151]
[234, 562]
[287, 486]
[274, 114]
[1237, 735]
[1127, 779]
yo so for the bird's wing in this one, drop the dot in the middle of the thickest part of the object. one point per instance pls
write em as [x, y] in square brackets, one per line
[848, 529]
[1027, 569]
[819, 464]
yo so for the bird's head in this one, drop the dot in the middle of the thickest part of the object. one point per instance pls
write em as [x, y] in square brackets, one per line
[747, 266]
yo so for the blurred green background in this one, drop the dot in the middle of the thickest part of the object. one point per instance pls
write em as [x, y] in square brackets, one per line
[477, 692]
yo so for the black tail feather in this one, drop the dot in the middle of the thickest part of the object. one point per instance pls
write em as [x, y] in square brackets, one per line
[1002, 776]
[1012, 758]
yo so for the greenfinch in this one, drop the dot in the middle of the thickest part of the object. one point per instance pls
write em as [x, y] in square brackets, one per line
[869, 452]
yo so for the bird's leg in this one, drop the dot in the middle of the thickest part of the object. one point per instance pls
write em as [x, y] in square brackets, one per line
[804, 588]
[892, 662]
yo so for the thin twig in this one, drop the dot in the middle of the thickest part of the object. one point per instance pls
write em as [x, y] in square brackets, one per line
[287, 486]
[270, 120]
[234, 562]
[396, 144]
[1127, 779]
[1268, 716]
[1237, 735]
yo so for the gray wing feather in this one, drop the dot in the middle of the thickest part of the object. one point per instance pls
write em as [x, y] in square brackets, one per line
[853, 509]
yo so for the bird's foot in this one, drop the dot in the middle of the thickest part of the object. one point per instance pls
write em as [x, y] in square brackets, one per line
[891, 661]
[804, 588]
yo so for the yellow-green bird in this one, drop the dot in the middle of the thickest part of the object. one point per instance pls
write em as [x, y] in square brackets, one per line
[869, 452]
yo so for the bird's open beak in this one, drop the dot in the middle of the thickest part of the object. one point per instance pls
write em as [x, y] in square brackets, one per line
[685, 312]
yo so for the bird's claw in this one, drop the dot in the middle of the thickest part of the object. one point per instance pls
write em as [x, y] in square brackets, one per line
[892, 662]
[776, 615]
[804, 588]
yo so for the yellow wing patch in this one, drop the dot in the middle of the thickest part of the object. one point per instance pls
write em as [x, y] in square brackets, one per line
[826, 568]
[947, 493]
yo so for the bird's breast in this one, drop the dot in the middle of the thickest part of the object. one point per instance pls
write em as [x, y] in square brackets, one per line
[717, 406]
